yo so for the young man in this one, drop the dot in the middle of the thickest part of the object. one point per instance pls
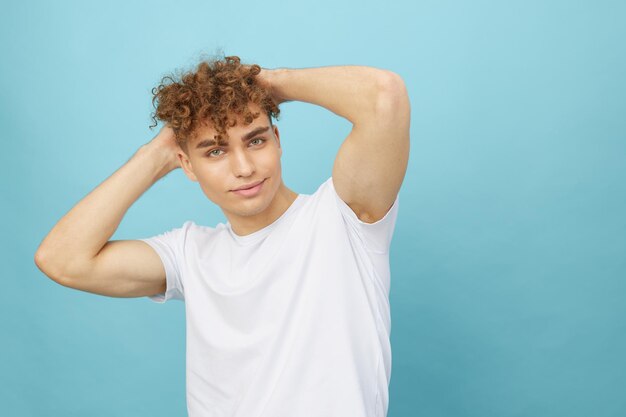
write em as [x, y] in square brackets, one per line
[287, 304]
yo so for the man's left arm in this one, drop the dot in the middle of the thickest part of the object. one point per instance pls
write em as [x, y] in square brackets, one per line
[371, 163]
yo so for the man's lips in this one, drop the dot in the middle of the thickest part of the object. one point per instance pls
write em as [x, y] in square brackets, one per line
[248, 186]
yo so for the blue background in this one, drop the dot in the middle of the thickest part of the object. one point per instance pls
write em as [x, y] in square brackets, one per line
[509, 257]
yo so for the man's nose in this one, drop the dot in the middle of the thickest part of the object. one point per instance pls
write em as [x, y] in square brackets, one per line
[242, 164]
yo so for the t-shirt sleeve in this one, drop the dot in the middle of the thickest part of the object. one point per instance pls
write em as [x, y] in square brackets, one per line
[376, 236]
[170, 248]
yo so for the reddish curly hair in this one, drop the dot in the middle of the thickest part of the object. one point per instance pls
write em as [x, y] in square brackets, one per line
[212, 95]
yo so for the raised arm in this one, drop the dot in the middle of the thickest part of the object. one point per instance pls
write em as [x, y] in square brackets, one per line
[77, 252]
[371, 163]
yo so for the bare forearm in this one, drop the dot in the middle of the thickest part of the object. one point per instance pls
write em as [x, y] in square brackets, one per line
[348, 91]
[86, 228]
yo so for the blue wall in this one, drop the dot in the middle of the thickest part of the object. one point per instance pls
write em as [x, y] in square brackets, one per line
[509, 257]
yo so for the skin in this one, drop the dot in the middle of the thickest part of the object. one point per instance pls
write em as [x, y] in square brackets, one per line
[220, 169]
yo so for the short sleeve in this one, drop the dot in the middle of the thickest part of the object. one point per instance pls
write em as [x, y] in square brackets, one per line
[376, 236]
[170, 248]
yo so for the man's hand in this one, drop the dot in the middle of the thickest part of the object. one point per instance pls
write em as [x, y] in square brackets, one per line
[264, 78]
[165, 142]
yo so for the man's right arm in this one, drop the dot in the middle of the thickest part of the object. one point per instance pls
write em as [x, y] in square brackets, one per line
[77, 252]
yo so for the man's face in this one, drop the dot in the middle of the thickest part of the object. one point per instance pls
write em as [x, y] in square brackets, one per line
[244, 158]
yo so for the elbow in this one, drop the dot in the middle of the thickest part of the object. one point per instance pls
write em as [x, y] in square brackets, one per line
[393, 97]
[390, 81]
[42, 262]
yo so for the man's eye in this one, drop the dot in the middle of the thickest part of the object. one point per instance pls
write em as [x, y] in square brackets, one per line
[213, 151]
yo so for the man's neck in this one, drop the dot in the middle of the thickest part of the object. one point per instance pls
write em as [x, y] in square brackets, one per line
[283, 199]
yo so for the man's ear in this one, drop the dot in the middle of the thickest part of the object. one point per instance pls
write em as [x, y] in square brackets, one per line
[185, 164]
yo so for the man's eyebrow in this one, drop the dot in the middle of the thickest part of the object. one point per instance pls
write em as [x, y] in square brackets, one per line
[210, 142]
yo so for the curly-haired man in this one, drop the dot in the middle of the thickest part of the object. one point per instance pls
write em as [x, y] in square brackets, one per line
[287, 303]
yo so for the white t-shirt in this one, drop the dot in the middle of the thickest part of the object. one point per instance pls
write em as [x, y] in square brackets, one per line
[292, 320]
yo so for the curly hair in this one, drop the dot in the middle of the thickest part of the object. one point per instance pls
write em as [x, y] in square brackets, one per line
[215, 91]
